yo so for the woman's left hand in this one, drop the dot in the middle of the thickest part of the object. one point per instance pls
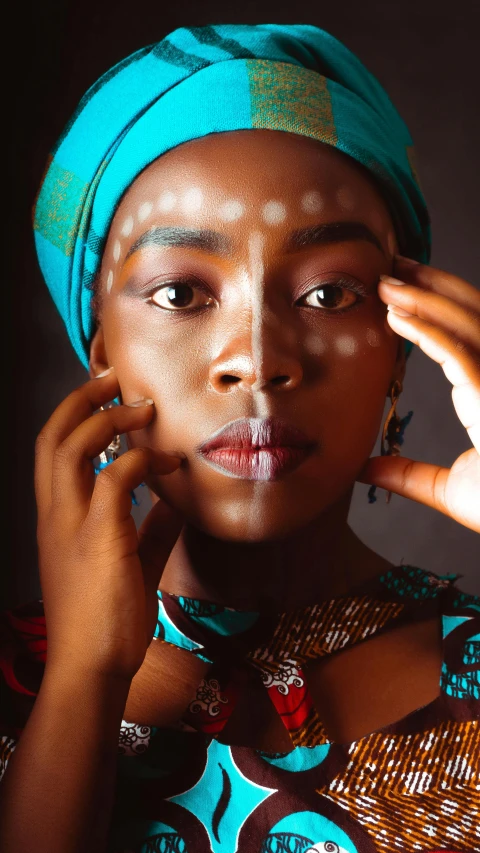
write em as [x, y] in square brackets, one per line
[441, 314]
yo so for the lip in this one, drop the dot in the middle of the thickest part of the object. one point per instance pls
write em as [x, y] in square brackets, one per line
[257, 448]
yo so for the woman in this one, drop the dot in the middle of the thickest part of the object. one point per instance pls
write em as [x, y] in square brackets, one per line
[241, 200]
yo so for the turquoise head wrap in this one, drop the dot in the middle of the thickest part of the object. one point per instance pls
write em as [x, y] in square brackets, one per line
[197, 81]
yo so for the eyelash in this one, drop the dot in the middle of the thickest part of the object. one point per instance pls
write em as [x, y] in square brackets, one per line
[344, 283]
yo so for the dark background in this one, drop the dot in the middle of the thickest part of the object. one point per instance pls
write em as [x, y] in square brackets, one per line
[426, 56]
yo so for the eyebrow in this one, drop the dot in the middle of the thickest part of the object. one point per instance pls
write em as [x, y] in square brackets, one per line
[183, 238]
[215, 243]
[331, 232]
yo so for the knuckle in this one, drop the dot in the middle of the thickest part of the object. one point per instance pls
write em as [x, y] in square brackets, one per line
[108, 478]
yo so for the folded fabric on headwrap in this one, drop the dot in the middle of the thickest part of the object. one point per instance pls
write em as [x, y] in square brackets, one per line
[197, 81]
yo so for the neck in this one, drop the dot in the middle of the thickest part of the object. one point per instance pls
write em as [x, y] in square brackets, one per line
[323, 560]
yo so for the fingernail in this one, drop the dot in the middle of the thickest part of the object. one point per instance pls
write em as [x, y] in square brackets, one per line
[406, 260]
[396, 310]
[146, 401]
[104, 373]
[388, 279]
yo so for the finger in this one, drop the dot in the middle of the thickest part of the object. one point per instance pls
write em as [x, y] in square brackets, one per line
[439, 281]
[73, 474]
[459, 363]
[111, 501]
[442, 311]
[418, 481]
[157, 536]
[78, 406]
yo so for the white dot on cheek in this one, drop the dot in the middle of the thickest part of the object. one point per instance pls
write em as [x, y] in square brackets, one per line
[312, 202]
[315, 344]
[274, 212]
[345, 198]
[116, 250]
[144, 211]
[232, 210]
[109, 281]
[373, 338]
[166, 202]
[192, 200]
[346, 345]
[127, 227]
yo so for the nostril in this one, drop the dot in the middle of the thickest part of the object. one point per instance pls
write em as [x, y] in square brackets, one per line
[226, 379]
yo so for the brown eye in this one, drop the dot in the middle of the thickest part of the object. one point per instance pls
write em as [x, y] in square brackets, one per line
[331, 297]
[179, 295]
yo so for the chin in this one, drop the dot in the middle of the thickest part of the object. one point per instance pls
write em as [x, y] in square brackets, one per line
[267, 513]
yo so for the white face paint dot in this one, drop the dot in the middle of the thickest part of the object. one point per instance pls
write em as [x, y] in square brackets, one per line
[127, 227]
[232, 210]
[116, 250]
[192, 200]
[312, 202]
[391, 242]
[345, 198]
[109, 281]
[373, 338]
[315, 344]
[144, 211]
[166, 202]
[346, 345]
[274, 212]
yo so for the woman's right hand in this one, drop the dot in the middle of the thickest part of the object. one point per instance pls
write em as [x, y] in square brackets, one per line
[99, 576]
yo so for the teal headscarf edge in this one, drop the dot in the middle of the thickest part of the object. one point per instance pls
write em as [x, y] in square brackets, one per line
[180, 89]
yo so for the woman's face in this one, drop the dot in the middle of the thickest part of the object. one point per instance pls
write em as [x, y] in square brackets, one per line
[239, 281]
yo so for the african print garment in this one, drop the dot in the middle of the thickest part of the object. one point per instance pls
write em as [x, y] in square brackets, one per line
[411, 786]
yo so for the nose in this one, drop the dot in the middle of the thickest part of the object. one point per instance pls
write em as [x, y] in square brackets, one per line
[261, 358]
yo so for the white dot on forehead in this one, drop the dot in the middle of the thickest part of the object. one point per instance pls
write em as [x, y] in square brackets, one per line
[109, 281]
[144, 211]
[192, 200]
[127, 227]
[312, 202]
[345, 198]
[274, 212]
[166, 202]
[346, 345]
[373, 338]
[231, 210]
[116, 250]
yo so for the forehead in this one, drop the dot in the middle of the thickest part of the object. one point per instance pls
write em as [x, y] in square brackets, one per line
[255, 165]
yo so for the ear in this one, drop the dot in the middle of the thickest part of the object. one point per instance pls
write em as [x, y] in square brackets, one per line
[98, 361]
[400, 366]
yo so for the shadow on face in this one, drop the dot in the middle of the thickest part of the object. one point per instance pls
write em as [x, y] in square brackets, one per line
[239, 281]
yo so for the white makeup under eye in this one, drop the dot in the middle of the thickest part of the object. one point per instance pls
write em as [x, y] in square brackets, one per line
[315, 344]
[116, 250]
[274, 212]
[192, 200]
[109, 281]
[346, 345]
[144, 211]
[166, 202]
